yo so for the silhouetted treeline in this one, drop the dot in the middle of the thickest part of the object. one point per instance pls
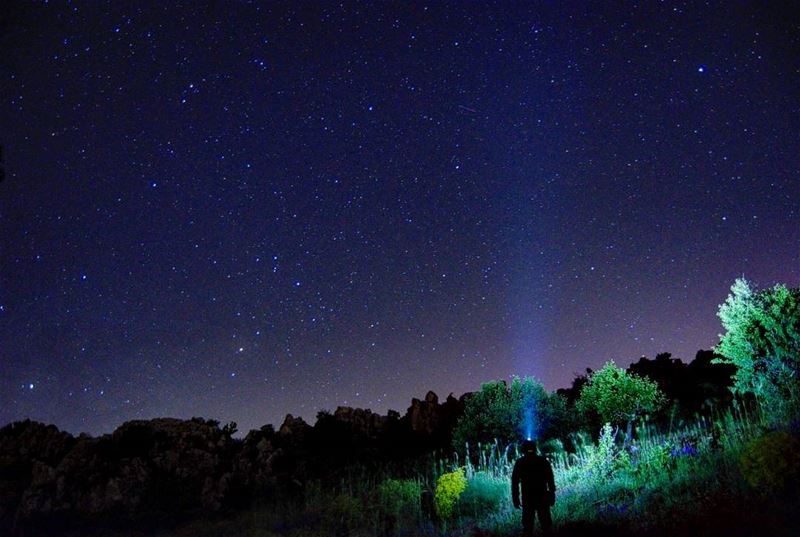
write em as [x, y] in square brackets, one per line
[692, 388]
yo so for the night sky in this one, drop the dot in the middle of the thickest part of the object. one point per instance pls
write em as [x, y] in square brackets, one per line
[239, 211]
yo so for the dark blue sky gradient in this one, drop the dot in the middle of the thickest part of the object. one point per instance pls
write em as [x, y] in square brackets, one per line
[239, 210]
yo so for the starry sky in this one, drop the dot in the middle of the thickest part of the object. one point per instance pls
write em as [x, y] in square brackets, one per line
[238, 210]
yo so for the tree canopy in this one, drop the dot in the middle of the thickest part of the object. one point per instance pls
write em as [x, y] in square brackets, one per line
[509, 412]
[762, 339]
[617, 397]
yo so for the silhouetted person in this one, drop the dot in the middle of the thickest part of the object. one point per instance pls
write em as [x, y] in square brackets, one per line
[535, 475]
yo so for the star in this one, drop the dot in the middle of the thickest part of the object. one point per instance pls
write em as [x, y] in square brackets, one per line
[503, 167]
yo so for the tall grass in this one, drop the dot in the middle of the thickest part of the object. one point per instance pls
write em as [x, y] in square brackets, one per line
[604, 480]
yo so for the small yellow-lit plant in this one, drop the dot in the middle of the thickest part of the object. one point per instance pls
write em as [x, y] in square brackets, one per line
[449, 488]
[771, 461]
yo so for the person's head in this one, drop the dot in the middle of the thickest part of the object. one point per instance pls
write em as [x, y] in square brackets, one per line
[528, 447]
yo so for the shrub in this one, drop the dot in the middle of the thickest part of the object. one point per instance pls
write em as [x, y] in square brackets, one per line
[772, 461]
[343, 513]
[602, 458]
[400, 499]
[553, 447]
[653, 461]
[485, 494]
[449, 488]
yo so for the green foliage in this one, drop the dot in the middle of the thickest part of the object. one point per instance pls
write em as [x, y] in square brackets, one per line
[652, 462]
[485, 494]
[400, 499]
[497, 412]
[772, 461]
[762, 340]
[343, 513]
[616, 396]
[603, 458]
[449, 488]
[552, 448]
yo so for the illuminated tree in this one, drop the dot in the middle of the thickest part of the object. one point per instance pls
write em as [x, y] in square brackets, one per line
[618, 397]
[508, 412]
[762, 340]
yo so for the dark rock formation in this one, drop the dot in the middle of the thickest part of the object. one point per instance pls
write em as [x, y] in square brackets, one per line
[142, 469]
[430, 417]
[255, 462]
[363, 420]
[296, 428]
[423, 416]
[28, 452]
[433, 423]
[162, 469]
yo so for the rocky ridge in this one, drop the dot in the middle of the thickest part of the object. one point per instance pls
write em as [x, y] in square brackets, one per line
[150, 468]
